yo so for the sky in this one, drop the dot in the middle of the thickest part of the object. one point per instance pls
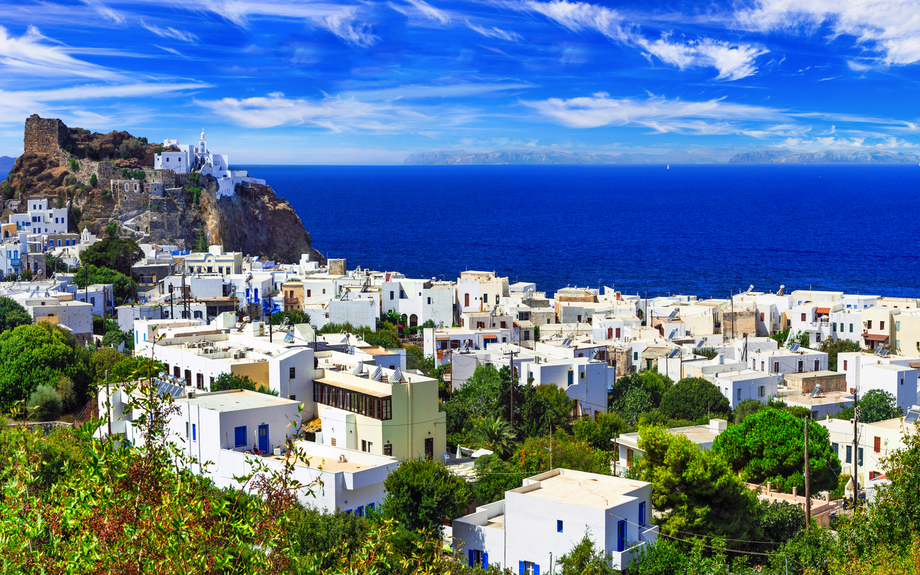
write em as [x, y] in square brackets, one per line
[370, 82]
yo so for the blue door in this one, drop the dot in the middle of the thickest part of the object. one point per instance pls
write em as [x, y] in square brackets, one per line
[263, 437]
[642, 514]
[621, 535]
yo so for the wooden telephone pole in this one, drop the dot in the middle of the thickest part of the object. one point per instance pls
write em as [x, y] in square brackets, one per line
[807, 480]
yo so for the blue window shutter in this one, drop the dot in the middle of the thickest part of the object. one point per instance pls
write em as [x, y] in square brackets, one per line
[621, 535]
[485, 560]
[193, 432]
[471, 557]
[642, 514]
[520, 568]
[536, 569]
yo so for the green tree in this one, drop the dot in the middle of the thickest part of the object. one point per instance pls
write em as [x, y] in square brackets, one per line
[44, 404]
[111, 229]
[539, 409]
[694, 491]
[93, 181]
[878, 405]
[539, 454]
[770, 446]
[636, 394]
[54, 264]
[103, 360]
[317, 532]
[34, 355]
[294, 317]
[123, 287]
[134, 368]
[495, 434]
[599, 432]
[481, 394]
[493, 478]
[746, 408]
[12, 314]
[421, 493]
[585, 559]
[778, 522]
[833, 347]
[228, 380]
[118, 254]
[694, 398]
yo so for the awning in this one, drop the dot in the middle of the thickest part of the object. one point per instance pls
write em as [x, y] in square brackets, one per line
[875, 337]
[488, 336]
[823, 310]
[914, 364]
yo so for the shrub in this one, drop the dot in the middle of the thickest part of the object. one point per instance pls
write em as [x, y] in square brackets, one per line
[93, 180]
[45, 404]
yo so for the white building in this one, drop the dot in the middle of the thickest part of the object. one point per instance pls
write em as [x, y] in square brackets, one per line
[74, 315]
[40, 219]
[783, 361]
[898, 380]
[224, 433]
[535, 524]
[876, 442]
[480, 291]
[419, 300]
[187, 158]
[738, 386]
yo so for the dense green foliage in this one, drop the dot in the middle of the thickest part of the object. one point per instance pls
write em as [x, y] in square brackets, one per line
[599, 433]
[12, 314]
[123, 287]
[41, 354]
[422, 493]
[585, 559]
[228, 380]
[878, 405]
[382, 338]
[115, 253]
[746, 408]
[770, 446]
[44, 404]
[694, 491]
[294, 317]
[54, 264]
[694, 398]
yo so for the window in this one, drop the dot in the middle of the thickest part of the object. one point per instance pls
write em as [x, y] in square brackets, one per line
[186, 429]
[429, 301]
[571, 377]
[849, 454]
[878, 444]
[817, 364]
[739, 394]
[466, 300]
[559, 526]
[504, 325]
[844, 365]
[869, 324]
[881, 325]
[199, 380]
[363, 445]
[642, 514]
[194, 433]
[761, 316]
[581, 375]
[851, 328]
[291, 372]
[528, 568]
[485, 298]
[239, 434]
[761, 392]
[801, 366]
[360, 511]
[309, 292]
[835, 448]
[635, 356]
[621, 535]
[376, 407]
[803, 317]
[388, 449]
[897, 326]
[391, 294]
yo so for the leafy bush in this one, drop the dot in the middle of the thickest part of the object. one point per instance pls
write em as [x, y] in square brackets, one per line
[93, 181]
[44, 404]
[694, 398]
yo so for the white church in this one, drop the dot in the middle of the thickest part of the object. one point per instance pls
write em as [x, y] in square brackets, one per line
[199, 159]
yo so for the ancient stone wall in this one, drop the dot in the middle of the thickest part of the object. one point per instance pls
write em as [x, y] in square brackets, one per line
[45, 135]
[744, 323]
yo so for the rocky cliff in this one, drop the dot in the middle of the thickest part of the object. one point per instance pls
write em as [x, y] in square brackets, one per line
[76, 168]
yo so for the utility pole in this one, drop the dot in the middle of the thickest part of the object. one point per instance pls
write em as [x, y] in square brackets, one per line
[855, 449]
[270, 318]
[807, 479]
[108, 402]
[511, 355]
[733, 313]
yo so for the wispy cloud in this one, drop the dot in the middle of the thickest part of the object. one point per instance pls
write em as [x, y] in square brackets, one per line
[733, 61]
[445, 90]
[347, 27]
[33, 55]
[430, 12]
[658, 113]
[105, 11]
[580, 16]
[170, 32]
[495, 32]
[889, 27]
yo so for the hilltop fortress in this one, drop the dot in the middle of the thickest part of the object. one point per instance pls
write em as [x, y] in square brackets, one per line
[168, 193]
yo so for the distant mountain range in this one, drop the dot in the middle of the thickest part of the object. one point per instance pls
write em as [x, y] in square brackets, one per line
[461, 158]
[458, 158]
[793, 157]
[6, 164]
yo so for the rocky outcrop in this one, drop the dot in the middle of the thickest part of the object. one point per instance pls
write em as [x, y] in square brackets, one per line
[75, 167]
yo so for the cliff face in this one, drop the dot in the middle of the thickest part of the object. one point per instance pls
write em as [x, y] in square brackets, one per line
[160, 206]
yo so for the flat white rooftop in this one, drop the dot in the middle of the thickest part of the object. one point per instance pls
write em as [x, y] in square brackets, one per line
[580, 488]
[236, 400]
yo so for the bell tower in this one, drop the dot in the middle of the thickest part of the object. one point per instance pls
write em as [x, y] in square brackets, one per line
[202, 143]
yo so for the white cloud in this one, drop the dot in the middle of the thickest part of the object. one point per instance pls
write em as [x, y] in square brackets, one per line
[429, 11]
[579, 16]
[889, 27]
[660, 114]
[170, 32]
[344, 24]
[105, 11]
[331, 112]
[30, 55]
[733, 61]
[858, 66]
[457, 90]
[494, 32]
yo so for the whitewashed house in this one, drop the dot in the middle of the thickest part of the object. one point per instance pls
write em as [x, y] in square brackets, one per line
[535, 524]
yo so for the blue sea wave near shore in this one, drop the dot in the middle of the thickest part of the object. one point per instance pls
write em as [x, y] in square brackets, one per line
[695, 229]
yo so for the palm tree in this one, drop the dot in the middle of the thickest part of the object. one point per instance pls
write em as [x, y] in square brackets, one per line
[494, 433]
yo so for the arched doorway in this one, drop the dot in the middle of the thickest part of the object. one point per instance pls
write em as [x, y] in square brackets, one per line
[413, 320]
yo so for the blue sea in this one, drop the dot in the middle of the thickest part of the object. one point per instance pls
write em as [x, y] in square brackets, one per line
[706, 230]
